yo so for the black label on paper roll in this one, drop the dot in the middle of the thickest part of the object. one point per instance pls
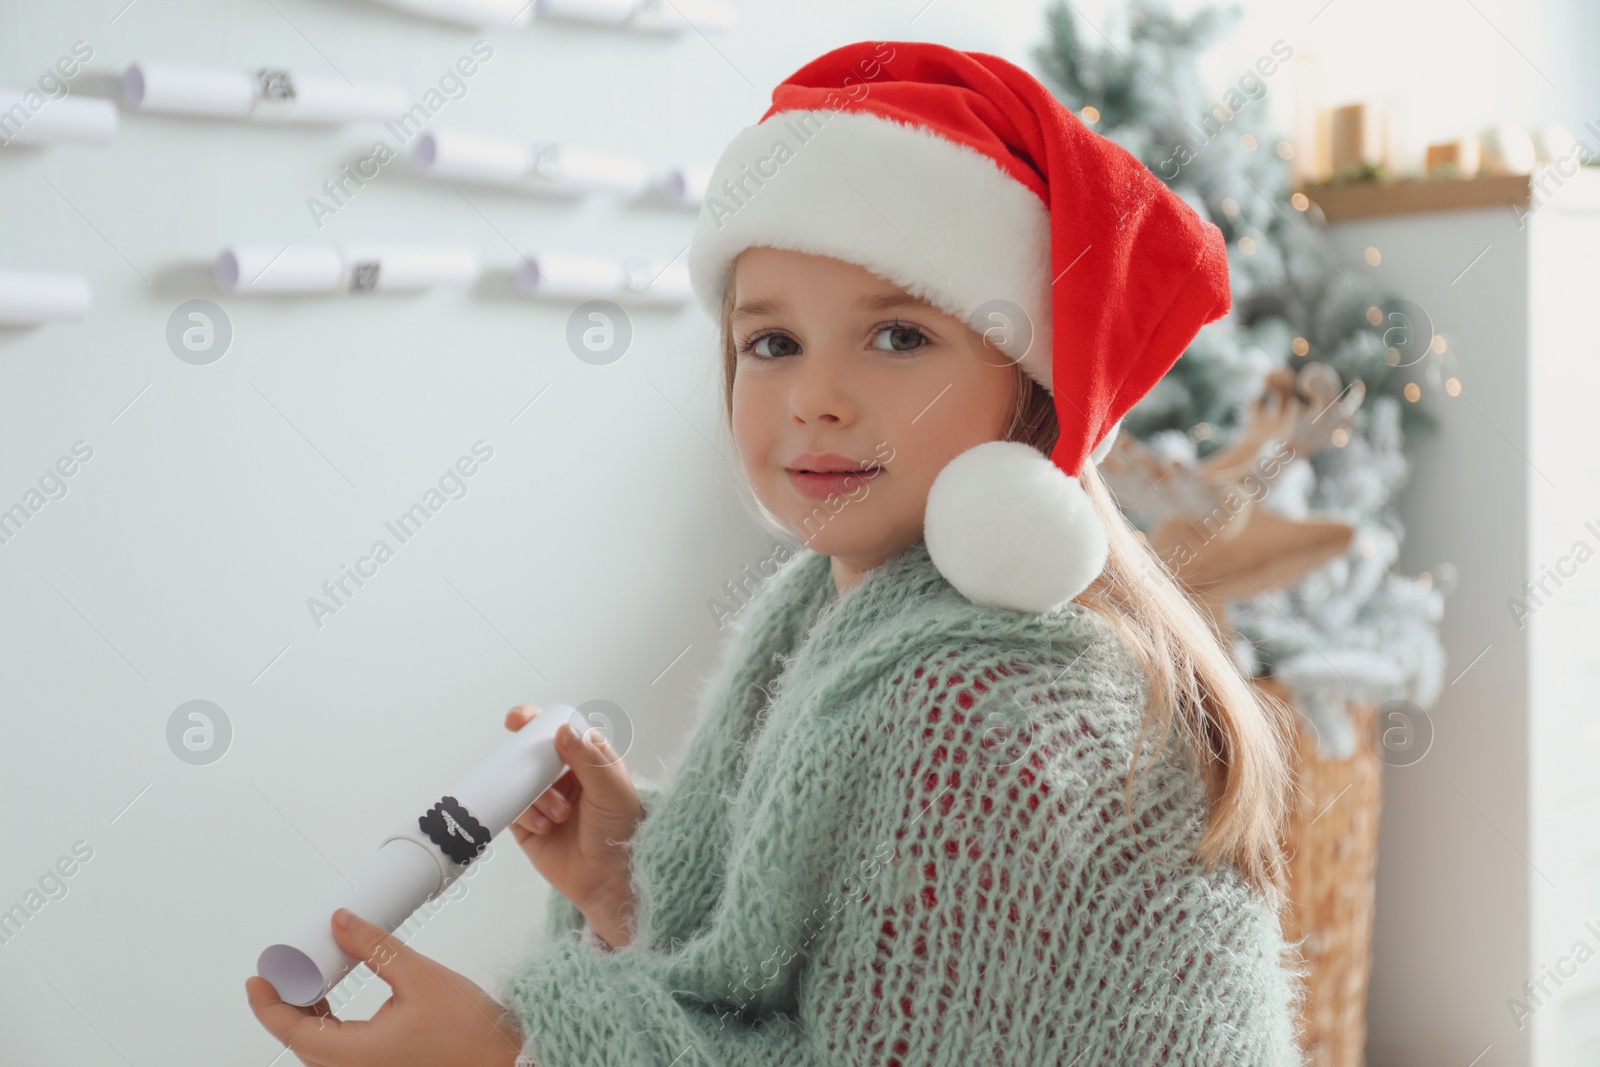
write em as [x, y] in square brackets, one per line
[453, 829]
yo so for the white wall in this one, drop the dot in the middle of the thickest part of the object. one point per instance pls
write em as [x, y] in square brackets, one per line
[219, 498]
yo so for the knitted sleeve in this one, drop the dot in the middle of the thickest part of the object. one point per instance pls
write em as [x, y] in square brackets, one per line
[582, 1004]
[560, 914]
[1014, 919]
[987, 903]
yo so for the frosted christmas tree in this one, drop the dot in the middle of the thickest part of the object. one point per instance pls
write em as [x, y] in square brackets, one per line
[1263, 467]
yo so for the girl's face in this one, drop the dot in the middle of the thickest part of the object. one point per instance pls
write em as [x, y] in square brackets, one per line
[837, 368]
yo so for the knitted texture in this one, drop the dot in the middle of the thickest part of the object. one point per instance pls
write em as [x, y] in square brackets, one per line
[899, 835]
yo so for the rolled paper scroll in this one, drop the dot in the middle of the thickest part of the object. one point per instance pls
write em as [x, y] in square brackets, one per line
[28, 298]
[503, 14]
[669, 16]
[589, 277]
[473, 157]
[563, 169]
[678, 16]
[423, 859]
[267, 94]
[614, 12]
[546, 167]
[65, 119]
[686, 186]
[357, 268]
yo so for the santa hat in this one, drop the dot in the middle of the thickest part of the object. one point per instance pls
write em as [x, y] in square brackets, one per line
[960, 178]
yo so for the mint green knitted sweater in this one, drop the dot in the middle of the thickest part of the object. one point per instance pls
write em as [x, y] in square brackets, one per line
[898, 836]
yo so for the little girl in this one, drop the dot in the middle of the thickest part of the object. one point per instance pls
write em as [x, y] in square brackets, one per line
[911, 825]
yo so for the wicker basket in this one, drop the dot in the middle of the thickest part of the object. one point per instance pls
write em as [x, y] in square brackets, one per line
[1331, 841]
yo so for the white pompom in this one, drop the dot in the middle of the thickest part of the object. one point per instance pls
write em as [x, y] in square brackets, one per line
[1010, 529]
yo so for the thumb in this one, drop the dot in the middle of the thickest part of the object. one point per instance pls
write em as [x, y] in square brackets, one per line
[594, 762]
[390, 958]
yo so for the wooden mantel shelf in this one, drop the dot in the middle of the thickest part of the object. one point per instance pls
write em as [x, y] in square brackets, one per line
[1356, 200]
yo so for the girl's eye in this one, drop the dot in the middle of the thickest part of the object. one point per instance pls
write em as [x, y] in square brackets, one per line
[900, 337]
[903, 337]
[752, 345]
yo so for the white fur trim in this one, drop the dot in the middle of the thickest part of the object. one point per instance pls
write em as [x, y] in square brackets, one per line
[939, 219]
[1008, 528]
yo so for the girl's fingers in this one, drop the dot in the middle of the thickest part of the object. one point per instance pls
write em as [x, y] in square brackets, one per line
[294, 1027]
[520, 716]
[530, 821]
[553, 806]
[561, 799]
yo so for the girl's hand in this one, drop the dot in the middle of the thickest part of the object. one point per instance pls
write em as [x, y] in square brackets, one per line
[434, 1018]
[574, 831]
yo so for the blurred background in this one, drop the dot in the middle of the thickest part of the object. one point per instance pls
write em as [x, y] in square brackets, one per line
[220, 394]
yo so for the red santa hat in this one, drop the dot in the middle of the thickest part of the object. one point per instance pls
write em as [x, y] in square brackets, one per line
[960, 178]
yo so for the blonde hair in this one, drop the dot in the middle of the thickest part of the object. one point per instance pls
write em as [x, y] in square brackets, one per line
[1240, 735]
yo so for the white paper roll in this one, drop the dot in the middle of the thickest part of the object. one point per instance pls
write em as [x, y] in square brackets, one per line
[355, 267]
[448, 154]
[276, 269]
[680, 15]
[267, 95]
[67, 119]
[306, 963]
[687, 185]
[508, 14]
[405, 873]
[609, 11]
[385, 267]
[564, 275]
[563, 169]
[28, 297]
[654, 282]
[283, 98]
[546, 167]
[187, 90]
[587, 277]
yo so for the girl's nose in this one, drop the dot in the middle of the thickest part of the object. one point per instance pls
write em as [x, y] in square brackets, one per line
[820, 390]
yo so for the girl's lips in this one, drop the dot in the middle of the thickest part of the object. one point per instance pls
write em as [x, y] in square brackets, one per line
[822, 486]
